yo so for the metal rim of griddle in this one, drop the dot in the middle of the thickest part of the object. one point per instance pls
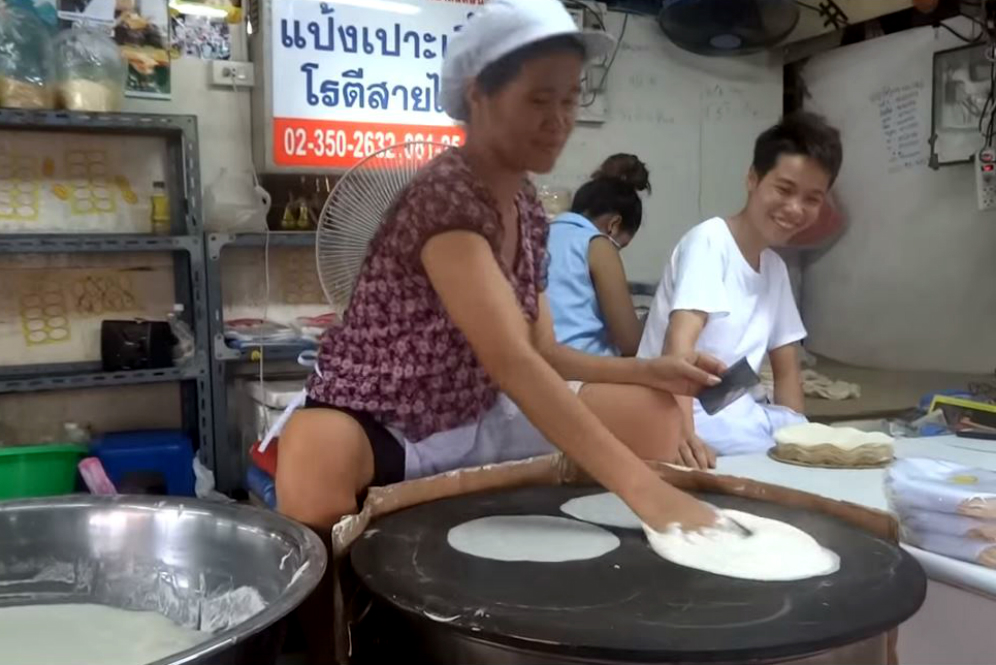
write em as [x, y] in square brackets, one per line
[414, 609]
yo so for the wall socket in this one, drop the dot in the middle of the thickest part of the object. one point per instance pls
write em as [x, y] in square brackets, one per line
[985, 178]
[226, 73]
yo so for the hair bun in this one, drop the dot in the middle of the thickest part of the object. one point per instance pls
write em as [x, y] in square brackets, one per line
[626, 168]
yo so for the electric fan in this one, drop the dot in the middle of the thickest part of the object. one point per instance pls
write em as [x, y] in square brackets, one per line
[727, 27]
[355, 210]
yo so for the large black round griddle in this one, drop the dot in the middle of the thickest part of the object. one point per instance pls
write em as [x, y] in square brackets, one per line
[631, 605]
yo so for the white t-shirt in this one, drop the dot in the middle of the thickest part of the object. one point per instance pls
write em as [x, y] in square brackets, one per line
[750, 312]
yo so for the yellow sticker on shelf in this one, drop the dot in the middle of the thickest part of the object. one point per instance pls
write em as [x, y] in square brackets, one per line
[964, 479]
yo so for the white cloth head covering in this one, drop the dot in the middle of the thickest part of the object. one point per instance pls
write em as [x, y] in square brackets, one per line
[501, 27]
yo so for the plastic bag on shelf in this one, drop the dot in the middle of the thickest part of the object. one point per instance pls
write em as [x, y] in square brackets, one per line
[89, 70]
[941, 486]
[25, 59]
[915, 520]
[235, 203]
[963, 549]
[185, 348]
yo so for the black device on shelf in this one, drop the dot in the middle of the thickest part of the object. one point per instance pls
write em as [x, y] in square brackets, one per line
[137, 344]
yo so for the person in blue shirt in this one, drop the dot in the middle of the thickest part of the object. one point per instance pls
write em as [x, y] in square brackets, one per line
[588, 292]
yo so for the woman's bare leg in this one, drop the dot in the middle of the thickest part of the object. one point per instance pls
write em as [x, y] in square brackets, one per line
[325, 461]
[646, 420]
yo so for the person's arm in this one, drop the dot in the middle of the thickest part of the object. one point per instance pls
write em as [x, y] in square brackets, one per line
[684, 328]
[480, 301]
[788, 377]
[678, 374]
[612, 291]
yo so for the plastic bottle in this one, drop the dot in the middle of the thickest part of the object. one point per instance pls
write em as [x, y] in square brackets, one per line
[288, 222]
[160, 209]
[186, 346]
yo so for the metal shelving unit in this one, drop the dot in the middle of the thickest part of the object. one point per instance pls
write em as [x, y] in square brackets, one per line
[225, 360]
[182, 178]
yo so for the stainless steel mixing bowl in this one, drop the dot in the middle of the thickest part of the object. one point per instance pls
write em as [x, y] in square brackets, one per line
[235, 569]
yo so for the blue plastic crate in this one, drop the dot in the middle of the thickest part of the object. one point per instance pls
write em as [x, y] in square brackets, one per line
[168, 454]
[261, 484]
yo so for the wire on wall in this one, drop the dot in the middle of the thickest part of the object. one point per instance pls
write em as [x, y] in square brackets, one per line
[982, 22]
[833, 15]
[608, 66]
[987, 118]
[266, 239]
[588, 10]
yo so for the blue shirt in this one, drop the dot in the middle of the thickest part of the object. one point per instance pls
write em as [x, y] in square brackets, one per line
[577, 319]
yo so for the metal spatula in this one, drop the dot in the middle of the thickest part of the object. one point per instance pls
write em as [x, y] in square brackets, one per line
[747, 533]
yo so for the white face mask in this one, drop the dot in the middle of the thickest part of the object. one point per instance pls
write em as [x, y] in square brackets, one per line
[615, 242]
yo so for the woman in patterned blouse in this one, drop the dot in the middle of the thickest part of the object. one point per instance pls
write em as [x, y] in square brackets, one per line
[446, 357]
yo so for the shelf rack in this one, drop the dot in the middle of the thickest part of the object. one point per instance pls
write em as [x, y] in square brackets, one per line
[224, 360]
[182, 179]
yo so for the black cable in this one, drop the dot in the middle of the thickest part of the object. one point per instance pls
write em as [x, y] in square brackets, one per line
[577, 4]
[981, 24]
[989, 108]
[831, 12]
[991, 129]
[967, 40]
[608, 66]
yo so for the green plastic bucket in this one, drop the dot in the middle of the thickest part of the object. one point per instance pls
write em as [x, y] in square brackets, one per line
[27, 471]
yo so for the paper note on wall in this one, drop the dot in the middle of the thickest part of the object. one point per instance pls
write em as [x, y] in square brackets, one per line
[901, 110]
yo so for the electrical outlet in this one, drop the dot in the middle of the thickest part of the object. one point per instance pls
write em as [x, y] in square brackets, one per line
[985, 178]
[578, 16]
[229, 73]
[596, 112]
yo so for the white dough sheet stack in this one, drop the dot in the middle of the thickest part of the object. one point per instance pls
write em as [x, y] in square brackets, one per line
[945, 508]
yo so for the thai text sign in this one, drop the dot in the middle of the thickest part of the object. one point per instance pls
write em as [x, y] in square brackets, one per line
[350, 78]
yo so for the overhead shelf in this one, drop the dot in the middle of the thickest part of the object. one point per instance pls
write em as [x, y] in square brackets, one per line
[71, 380]
[217, 241]
[117, 123]
[268, 353]
[77, 243]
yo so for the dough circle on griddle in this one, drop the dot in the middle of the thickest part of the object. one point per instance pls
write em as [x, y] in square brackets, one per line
[539, 538]
[606, 509]
[775, 552]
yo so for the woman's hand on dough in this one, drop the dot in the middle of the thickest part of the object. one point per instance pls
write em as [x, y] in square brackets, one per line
[684, 374]
[662, 505]
[696, 453]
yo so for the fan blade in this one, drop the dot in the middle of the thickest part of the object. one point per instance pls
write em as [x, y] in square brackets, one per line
[355, 210]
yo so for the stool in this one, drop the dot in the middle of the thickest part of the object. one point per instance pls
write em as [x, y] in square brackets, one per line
[147, 462]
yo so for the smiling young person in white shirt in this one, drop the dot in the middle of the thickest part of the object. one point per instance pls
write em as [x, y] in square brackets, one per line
[726, 292]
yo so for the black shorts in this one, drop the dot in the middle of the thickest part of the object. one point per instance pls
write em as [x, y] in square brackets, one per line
[388, 452]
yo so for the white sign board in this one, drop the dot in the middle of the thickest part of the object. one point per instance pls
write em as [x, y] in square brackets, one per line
[352, 77]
